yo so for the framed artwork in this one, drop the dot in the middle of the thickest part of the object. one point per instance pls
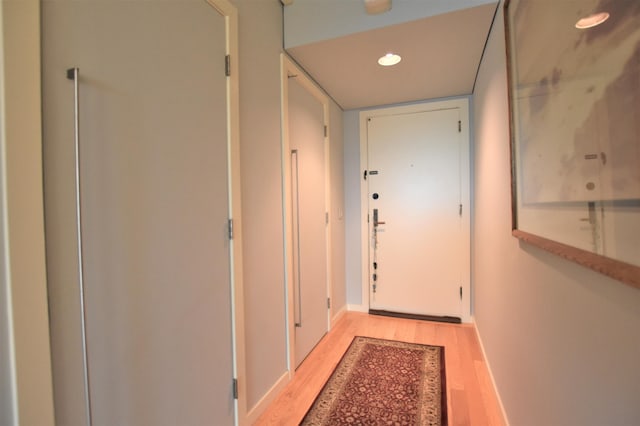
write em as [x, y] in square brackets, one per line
[574, 101]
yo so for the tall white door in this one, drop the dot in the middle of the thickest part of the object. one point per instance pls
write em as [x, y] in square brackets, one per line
[307, 144]
[417, 258]
[154, 208]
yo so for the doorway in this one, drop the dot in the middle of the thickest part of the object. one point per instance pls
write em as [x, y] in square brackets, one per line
[415, 199]
[306, 176]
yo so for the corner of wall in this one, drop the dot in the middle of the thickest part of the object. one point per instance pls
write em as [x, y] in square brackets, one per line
[486, 361]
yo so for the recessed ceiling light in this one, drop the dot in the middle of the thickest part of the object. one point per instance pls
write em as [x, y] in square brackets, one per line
[592, 20]
[389, 59]
[375, 7]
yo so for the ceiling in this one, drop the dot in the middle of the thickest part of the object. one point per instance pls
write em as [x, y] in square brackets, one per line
[440, 58]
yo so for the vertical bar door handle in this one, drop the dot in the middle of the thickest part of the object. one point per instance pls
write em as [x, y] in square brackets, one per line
[297, 275]
[74, 74]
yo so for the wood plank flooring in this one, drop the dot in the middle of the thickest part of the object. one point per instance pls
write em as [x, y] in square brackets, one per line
[471, 398]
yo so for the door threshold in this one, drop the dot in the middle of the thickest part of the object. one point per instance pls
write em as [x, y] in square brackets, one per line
[447, 319]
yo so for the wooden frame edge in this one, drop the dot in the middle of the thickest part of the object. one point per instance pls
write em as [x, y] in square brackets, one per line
[621, 271]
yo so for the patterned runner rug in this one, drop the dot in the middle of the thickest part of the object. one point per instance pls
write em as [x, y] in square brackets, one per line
[384, 382]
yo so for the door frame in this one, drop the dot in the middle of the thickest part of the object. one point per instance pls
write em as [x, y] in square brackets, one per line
[462, 104]
[230, 13]
[289, 68]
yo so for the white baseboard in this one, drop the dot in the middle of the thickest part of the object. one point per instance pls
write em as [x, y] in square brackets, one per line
[358, 308]
[267, 399]
[338, 315]
[256, 411]
[493, 381]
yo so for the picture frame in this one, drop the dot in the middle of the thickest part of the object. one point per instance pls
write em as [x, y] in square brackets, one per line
[574, 105]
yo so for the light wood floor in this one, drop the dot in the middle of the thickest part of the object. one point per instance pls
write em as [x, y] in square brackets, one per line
[471, 398]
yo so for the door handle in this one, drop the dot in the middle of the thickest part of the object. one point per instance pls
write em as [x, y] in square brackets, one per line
[376, 222]
[297, 286]
[74, 74]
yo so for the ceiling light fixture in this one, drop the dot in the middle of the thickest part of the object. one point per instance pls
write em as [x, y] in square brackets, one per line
[389, 59]
[592, 20]
[374, 7]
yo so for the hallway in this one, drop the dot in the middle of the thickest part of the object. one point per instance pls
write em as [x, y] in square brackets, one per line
[548, 325]
[471, 398]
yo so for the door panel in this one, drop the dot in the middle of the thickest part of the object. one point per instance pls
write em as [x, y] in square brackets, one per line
[415, 185]
[153, 155]
[306, 131]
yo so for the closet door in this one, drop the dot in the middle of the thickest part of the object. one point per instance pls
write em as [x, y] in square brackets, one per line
[153, 202]
[308, 193]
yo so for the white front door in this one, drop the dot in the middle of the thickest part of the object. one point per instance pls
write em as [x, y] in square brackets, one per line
[417, 200]
[308, 195]
[154, 207]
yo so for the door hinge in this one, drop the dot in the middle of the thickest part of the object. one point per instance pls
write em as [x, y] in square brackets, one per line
[227, 65]
[365, 175]
[326, 218]
[326, 131]
[459, 126]
[230, 228]
[328, 303]
[460, 211]
[234, 386]
[460, 292]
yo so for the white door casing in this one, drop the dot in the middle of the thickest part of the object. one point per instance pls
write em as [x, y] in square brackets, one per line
[419, 156]
[307, 201]
[159, 168]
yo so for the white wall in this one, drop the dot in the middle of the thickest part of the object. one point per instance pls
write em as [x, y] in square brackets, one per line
[25, 363]
[338, 291]
[353, 237]
[562, 341]
[260, 45]
[260, 38]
